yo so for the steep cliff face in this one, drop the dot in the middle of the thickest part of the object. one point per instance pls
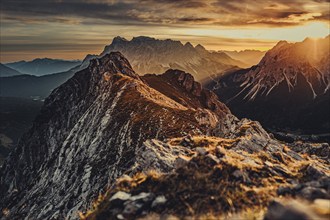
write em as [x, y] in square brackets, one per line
[289, 88]
[88, 132]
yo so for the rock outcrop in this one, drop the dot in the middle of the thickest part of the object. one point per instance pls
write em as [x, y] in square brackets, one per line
[198, 175]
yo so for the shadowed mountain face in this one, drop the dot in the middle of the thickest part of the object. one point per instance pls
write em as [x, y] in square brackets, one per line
[39, 67]
[35, 87]
[89, 130]
[45, 76]
[288, 89]
[16, 117]
[6, 71]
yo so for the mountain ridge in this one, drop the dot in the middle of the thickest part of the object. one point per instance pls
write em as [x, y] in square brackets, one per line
[174, 53]
[107, 123]
[98, 116]
[43, 66]
[151, 55]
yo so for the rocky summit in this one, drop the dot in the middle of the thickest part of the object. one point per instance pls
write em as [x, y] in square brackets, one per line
[89, 131]
[110, 144]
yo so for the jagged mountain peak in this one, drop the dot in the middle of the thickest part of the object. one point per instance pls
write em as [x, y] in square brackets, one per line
[288, 88]
[143, 39]
[281, 43]
[183, 88]
[200, 47]
[88, 57]
[150, 55]
[291, 63]
[186, 80]
[119, 39]
[189, 45]
[114, 62]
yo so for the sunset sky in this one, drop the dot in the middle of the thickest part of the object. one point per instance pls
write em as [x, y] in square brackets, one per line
[70, 29]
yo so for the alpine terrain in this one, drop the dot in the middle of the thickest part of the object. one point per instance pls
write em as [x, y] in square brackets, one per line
[147, 55]
[288, 89]
[110, 144]
[89, 131]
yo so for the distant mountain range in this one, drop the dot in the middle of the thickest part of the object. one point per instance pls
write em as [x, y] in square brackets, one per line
[289, 88]
[35, 87]
[44, 66]
[7, 71]
[249, 57]
[147, 55]
[150, 55]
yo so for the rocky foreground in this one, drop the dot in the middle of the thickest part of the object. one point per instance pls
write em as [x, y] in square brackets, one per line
[234, 178]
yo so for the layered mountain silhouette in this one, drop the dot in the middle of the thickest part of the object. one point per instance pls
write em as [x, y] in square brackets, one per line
[7, 71]
[249, 57]
[289, 88]
[33, 87]
[43, 66]
[107, 123]
[147, 55]
[150, 55]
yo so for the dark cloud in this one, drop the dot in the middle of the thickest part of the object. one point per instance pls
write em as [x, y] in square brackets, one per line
[49, 46]
[194, 19]
[168, 12]
[271, 13]
[71, 28]
[181, 3]
[42, 9]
